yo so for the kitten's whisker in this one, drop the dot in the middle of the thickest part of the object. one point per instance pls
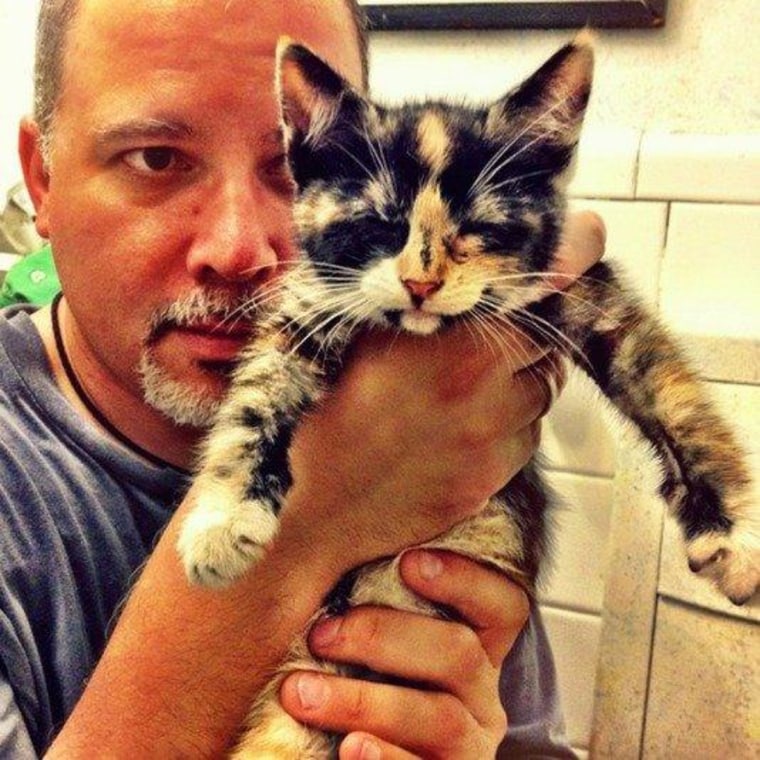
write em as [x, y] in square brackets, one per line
[511, 350]
[385, 175]
[549, 331]
[311, 333]
[549, 340]
[494, 165]
[326, 307]
[347, 326]
[512, 180]
[495, 310]
[549, 289]
[353, 157]
[575, 298]
[512, 156]
[500, 318]
[477, 326]
[321, 315]
[490, 320]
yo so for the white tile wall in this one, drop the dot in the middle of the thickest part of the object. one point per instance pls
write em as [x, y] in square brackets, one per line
[606, 164]
[582, 522]
[699, 262]
[725, 358]
[708, 168]
[575, 436]
[574, 637]
[711, 270]
[636, 234]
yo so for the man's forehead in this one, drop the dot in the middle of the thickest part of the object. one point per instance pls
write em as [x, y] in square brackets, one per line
[243, 26]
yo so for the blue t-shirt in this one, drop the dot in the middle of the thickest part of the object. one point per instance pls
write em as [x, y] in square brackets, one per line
[79, 514]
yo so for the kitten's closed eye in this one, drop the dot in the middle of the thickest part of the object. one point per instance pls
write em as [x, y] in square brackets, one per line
[509, 237]
[388, 234]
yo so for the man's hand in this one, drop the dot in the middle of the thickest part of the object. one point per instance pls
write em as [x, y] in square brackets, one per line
[417, 436]
[420, 432]
[452, 710]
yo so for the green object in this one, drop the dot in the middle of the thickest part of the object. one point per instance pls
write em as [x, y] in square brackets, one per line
[31, 280]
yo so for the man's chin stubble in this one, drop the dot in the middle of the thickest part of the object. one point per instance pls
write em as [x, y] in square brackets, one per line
[182, 403]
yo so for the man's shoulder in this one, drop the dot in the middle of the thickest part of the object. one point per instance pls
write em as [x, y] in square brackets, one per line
[20, 343]
[25, 377]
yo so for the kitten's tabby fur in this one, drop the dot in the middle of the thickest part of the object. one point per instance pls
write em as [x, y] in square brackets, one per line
[412, 218]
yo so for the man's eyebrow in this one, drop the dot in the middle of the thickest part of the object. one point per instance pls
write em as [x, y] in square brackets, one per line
[135, 130]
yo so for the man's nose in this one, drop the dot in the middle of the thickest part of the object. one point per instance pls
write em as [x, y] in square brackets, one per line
[236, 235]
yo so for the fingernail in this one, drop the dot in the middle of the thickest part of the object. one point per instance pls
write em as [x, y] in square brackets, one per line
[369, 751]
[312, 690]
[360, 748]
[429, 566]
[325, 632]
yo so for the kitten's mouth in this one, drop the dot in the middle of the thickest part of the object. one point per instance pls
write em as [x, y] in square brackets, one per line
[419, 322]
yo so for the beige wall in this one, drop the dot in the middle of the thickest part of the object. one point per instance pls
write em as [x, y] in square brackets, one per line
[698, 74]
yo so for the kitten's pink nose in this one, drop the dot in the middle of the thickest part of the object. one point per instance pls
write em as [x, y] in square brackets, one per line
[421, 289]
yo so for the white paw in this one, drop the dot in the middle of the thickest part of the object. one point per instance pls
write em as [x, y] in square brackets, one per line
[219, 545]
[731, 560]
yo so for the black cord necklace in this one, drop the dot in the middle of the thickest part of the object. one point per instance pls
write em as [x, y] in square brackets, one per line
[85, 398]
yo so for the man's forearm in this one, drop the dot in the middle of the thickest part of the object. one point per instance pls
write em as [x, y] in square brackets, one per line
[183, 664]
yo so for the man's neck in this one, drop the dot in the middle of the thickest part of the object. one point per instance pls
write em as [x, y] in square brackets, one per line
[140, 424]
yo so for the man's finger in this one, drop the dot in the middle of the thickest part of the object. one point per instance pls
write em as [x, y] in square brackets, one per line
[358, 746]
[387, 641]
[583, 240]
[426, 721]
[497, 612]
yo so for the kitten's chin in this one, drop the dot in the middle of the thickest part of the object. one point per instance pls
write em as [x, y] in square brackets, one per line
[420, 322]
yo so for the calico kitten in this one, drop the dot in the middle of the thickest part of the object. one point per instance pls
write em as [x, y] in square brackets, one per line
[413, 218]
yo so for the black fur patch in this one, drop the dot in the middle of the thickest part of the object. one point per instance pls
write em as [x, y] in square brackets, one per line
[271, 479]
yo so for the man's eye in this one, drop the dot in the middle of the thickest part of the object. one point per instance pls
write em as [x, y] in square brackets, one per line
[155, 159]
[277, 174]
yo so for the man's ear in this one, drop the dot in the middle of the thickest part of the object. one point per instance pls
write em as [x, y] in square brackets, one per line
[35, 173]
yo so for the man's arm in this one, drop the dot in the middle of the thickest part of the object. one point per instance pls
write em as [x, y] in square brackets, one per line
[377, 469]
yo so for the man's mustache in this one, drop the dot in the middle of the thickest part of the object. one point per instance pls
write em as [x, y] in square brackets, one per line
[222, 307]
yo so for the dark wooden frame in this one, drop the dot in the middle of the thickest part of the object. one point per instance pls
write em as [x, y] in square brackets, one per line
[515, 14]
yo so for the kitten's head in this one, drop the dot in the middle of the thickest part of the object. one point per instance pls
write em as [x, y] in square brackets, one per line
[421, 213]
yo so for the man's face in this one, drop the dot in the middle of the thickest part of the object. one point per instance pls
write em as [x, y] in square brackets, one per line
[168, 204]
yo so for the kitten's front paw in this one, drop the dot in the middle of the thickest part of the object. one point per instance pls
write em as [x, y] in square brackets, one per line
[731, 560]
[217, 546]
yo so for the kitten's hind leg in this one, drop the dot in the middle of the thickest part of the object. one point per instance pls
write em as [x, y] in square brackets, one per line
[271, 733]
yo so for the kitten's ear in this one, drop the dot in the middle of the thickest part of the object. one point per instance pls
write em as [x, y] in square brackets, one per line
[311, 93]
[551, 102]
